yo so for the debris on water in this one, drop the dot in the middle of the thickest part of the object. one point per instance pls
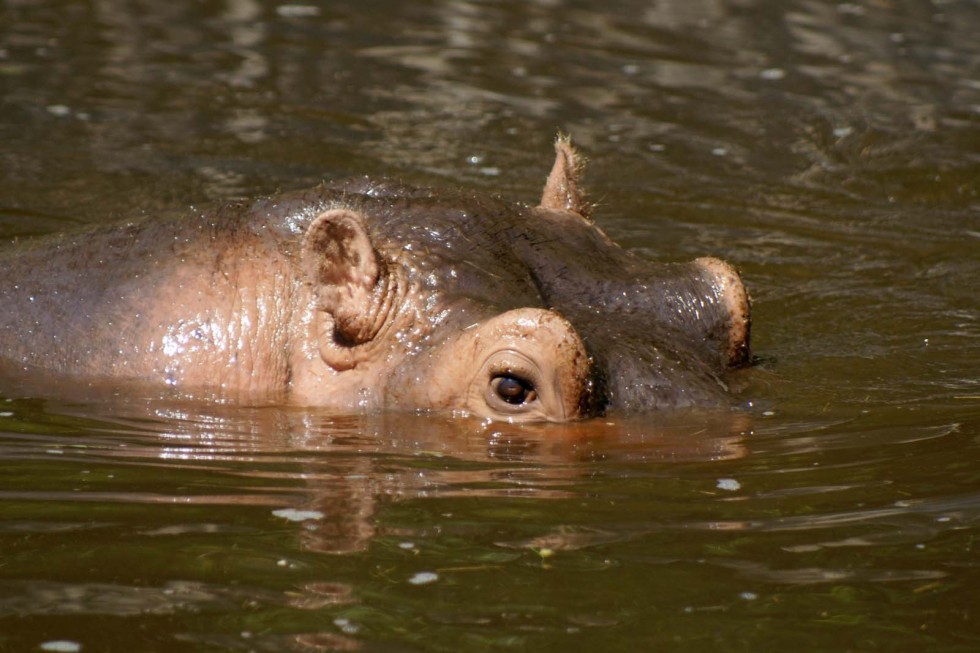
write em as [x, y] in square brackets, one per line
[729, 484]
[773, 74]
[424, 578]
[59, 110]
[297, 515]
[61, 646]
[748, 596]
[346, 626]
[297, 11]
[406, 545]
[850, 8]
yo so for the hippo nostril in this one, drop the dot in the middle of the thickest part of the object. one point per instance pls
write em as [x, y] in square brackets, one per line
[513, 390]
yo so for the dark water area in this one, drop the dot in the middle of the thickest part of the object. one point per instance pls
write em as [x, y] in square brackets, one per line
[830, 150]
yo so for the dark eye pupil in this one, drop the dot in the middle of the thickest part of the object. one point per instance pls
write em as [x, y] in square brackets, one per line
[513, 390]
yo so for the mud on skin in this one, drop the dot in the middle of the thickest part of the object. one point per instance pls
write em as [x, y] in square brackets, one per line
[366, 295]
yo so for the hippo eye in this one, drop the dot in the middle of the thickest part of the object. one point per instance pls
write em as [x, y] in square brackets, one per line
[513, 390]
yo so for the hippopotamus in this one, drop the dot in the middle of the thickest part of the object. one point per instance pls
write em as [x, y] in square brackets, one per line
[374, 295]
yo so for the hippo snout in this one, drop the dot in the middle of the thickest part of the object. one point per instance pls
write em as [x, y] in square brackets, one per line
[725, 283]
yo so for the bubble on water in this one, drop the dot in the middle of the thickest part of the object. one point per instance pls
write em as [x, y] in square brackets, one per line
[424, 578]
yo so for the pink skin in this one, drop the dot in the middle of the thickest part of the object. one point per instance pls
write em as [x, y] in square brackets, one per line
[233, 311]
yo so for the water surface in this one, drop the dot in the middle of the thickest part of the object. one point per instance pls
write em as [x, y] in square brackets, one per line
[830, 150]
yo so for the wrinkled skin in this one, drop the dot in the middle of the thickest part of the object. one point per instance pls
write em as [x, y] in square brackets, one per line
[367, 295]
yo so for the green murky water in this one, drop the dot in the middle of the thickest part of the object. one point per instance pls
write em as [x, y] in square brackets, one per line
[829, 149]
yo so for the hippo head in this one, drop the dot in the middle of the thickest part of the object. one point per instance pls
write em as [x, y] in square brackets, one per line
[463, 302]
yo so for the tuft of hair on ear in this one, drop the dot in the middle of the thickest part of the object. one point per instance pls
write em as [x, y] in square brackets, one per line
[561, 190]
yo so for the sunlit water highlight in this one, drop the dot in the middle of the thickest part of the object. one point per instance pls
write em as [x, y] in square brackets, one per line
[829, 150]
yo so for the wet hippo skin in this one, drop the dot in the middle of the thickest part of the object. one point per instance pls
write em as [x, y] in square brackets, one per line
[365, 295]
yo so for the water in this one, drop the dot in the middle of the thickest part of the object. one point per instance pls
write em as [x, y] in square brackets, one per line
[830, 150]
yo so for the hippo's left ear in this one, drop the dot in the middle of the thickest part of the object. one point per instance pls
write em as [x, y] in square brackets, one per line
[561, 191]
[344, 270]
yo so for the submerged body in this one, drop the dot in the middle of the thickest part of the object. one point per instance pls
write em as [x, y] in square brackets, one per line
[367, 295]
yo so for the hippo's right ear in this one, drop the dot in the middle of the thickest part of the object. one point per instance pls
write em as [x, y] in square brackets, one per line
[561, 191]
[344, 270]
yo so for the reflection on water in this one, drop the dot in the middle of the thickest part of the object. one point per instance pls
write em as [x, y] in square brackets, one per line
[828, 149]
[338, 520]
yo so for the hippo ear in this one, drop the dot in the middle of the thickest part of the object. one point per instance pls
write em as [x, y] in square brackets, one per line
[344, 270]
[561, 192]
